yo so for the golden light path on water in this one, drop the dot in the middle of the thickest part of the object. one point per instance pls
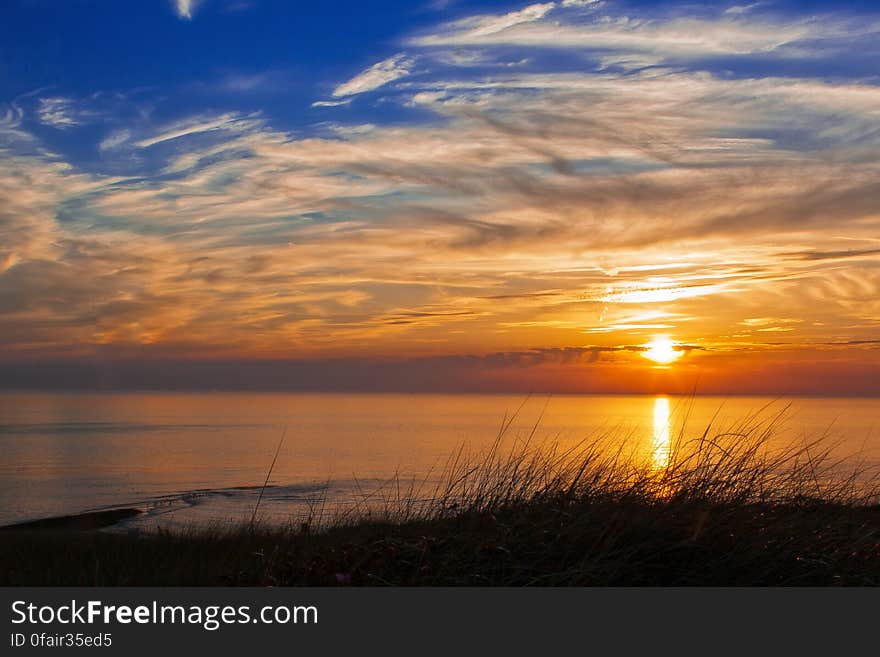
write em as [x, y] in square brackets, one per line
[201, 457]
[661, 444]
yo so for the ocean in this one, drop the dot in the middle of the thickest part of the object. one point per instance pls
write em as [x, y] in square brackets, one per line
[186, 458]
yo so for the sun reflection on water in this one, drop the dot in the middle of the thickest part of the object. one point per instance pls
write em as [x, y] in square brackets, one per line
[661, 444]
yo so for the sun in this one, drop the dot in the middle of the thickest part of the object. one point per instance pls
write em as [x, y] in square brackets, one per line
[661, 350]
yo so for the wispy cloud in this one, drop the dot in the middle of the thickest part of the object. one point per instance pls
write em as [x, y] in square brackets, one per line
[483, 26]
[114, 140]
[663, 38]
[332, 103]
[225, 122]
[57, 112]
[378, 75]
[738, 10]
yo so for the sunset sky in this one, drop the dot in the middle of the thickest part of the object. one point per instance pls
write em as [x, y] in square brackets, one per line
[441, 195]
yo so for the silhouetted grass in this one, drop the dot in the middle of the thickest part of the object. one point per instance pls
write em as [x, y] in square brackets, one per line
[728, 507]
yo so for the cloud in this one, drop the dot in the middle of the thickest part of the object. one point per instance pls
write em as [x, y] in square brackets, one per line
[332, 103]
[738, 10]
[114, 140]
[225, 122]
[186, 8]
[246, 83]
[378, 75]
[10, 118]
[521, 210]
[58, 113]
[488, 25]
[835, 255]
[673, 38]
[8, 262]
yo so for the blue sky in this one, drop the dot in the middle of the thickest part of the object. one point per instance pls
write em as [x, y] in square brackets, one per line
[273, 56]
[277, 58]
[268, 179]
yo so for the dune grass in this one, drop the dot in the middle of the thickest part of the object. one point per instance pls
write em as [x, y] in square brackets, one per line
[726, 507]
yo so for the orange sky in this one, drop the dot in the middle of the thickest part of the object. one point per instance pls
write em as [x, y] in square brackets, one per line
[530, 229]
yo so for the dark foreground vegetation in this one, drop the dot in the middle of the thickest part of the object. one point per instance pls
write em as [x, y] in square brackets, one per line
[723, 510]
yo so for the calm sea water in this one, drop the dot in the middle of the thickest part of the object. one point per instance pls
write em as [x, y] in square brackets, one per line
[201, 458]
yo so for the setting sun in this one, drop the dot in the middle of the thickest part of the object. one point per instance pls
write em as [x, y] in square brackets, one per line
[661, 350]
